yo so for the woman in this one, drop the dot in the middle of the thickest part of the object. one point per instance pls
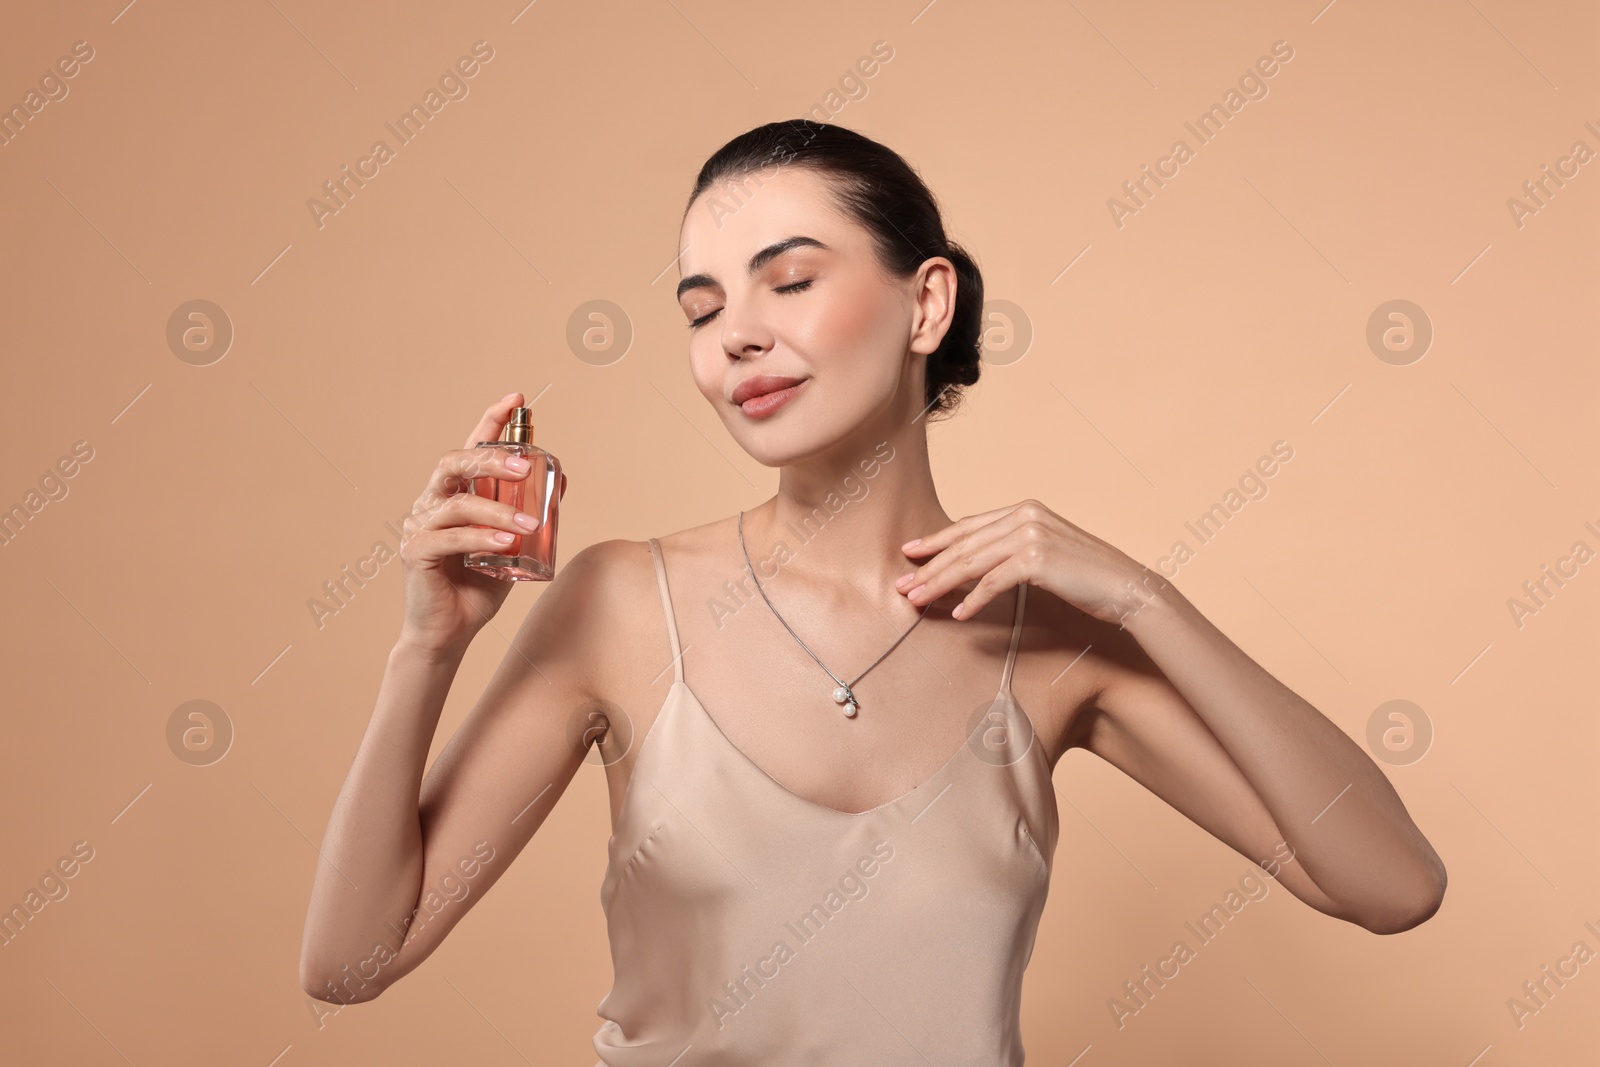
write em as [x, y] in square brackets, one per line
[831, 843]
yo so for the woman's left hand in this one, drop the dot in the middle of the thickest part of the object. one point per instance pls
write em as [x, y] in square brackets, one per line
[1028, 542]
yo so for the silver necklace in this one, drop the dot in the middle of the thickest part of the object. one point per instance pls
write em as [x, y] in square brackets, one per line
[844, 694]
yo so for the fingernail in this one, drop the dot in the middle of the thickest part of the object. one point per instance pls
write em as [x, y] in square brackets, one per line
[526, 521]
[505, 538]
[913, 543]
[918, 590]
[903, 579]
[959, 611]
[517, 463]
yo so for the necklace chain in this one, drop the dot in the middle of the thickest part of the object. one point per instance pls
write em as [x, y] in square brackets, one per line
[845, 693]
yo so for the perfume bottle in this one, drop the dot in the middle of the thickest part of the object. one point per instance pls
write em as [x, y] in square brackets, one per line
[532, 556]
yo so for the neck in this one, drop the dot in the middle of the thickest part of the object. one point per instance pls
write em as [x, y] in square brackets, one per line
[839, 519]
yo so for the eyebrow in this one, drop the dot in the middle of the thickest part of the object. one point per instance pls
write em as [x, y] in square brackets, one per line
[757, 261]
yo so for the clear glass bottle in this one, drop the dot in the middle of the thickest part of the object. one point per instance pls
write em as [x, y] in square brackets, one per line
[532, 556]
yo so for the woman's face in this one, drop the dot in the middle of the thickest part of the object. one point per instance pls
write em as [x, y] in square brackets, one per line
[781, 283]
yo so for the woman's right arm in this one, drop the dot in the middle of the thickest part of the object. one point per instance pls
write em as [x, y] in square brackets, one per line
[402, 860]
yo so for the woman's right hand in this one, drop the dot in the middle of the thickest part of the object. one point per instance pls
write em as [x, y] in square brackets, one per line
[447, 603]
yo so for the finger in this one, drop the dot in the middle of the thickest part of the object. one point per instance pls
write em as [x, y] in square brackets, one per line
[494, 419]
[468, 509]
[964, 545]
[430, 546]
[940, 539]
[958, 565]
[458, 469]
[991, 585]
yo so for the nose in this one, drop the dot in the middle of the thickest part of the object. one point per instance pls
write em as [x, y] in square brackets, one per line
[743, 333]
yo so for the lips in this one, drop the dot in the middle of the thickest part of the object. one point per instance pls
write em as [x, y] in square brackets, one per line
[761, 385]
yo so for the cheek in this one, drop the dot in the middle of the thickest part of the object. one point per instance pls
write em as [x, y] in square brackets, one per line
[707, 365]
[860, 323]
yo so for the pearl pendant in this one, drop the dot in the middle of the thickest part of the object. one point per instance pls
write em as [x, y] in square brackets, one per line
[842, 695]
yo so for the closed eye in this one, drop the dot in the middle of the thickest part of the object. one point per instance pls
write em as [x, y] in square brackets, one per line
[795, 288]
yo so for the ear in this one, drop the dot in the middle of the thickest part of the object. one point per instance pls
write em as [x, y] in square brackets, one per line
[934, 290]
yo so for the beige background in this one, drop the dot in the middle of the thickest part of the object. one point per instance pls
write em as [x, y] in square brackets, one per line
[1228, 313]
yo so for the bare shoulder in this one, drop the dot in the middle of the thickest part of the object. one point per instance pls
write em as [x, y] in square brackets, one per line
[628, 563]
[605, 604]
[685, 552]
[592, 610]
[1065, 659]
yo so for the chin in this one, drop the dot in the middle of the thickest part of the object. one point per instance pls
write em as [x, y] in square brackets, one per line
[779, 448]
[801, 438]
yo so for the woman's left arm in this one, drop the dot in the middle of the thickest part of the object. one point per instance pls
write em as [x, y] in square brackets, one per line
[1331, 802]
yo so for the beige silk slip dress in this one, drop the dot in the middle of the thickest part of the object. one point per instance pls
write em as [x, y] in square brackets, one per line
[751, 926]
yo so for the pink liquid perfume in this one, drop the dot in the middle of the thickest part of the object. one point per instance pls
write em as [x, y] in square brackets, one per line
[532, 556]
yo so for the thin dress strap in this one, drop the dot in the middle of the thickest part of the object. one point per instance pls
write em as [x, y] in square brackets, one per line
[1016, 634]
[666, 608]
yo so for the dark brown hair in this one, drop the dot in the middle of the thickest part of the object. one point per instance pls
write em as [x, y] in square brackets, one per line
[879, 190]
